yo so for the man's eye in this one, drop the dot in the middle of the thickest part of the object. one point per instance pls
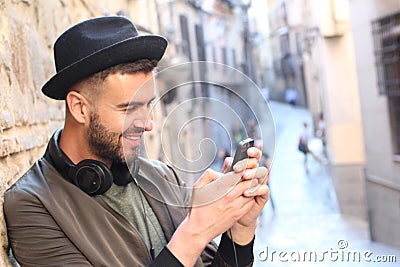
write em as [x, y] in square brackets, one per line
[130, 109]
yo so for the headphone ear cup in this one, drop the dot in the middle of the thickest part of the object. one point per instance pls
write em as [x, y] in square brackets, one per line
[92, 176]
[121, 174]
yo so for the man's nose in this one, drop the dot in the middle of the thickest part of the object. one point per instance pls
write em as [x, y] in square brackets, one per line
[144, 123]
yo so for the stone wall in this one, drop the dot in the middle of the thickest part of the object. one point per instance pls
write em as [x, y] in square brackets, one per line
[28, 29]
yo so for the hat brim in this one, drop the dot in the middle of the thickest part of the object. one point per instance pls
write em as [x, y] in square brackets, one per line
[141, 47]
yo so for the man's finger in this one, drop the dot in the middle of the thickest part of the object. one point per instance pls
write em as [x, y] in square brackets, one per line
[211, 187]
[260, 173]
[208, 176]
[227, 164]
[258, 191]
[254, 152]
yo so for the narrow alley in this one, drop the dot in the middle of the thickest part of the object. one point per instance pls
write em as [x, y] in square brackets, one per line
[305, 228]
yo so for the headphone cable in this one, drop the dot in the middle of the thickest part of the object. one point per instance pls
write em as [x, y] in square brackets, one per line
[146, 218]
[234, 248]
[152, 250]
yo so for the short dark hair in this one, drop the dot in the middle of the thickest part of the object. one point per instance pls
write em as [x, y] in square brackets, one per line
[142, 65]
[93, 84]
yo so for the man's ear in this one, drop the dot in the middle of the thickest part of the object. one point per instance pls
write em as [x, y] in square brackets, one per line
[78, 106]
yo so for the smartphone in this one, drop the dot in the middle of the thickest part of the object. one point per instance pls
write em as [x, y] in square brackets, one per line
[241, 150]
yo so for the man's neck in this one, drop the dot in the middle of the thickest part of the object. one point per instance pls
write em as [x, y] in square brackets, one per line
[73, 142]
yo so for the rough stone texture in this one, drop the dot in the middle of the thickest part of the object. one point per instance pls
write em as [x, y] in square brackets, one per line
[28, 29]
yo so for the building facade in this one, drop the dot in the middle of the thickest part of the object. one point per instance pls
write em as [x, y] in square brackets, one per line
[313, 49]
[286, 33]
[218, 31]
[376, 29]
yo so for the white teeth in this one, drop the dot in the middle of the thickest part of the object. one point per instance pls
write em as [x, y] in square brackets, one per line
[134, 138]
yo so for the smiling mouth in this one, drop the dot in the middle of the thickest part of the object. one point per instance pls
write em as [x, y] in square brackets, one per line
[134, 136]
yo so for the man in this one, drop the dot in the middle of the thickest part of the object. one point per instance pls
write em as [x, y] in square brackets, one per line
[91, 200]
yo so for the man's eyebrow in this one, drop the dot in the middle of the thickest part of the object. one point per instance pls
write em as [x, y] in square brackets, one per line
[133, 103]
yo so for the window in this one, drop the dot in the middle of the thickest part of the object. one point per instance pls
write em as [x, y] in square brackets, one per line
[233, 52]
[186, 48]
[287, 58]
[224, 56]
[386, 34]
[201, 50]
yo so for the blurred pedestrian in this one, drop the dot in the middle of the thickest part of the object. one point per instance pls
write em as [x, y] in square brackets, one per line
[321, 131]
[238, 133]
[252, 130]
[303, 147]
[291, 96]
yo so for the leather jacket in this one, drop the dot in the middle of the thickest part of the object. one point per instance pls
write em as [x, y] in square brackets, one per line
[51, 222]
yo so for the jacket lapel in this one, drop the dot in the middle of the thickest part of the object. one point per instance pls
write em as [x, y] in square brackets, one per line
[162, 195]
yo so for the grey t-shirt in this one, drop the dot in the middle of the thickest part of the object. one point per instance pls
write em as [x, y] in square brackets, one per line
[130, 202]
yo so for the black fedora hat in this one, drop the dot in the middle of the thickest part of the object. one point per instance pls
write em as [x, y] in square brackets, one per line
[96, 44]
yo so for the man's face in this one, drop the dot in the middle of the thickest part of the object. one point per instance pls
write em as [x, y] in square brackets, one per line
[121, 115]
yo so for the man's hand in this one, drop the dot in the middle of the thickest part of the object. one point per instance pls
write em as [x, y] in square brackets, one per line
[243, 230]
[208, 220]
[239, 208]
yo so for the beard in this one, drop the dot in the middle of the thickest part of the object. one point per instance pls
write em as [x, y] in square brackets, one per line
[106, 144]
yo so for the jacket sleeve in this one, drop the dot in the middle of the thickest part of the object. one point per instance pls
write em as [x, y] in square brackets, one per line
[34, 236]
[225, 255]
[166, 259]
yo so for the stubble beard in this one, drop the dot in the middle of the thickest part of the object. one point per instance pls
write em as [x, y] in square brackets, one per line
[106, 144]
